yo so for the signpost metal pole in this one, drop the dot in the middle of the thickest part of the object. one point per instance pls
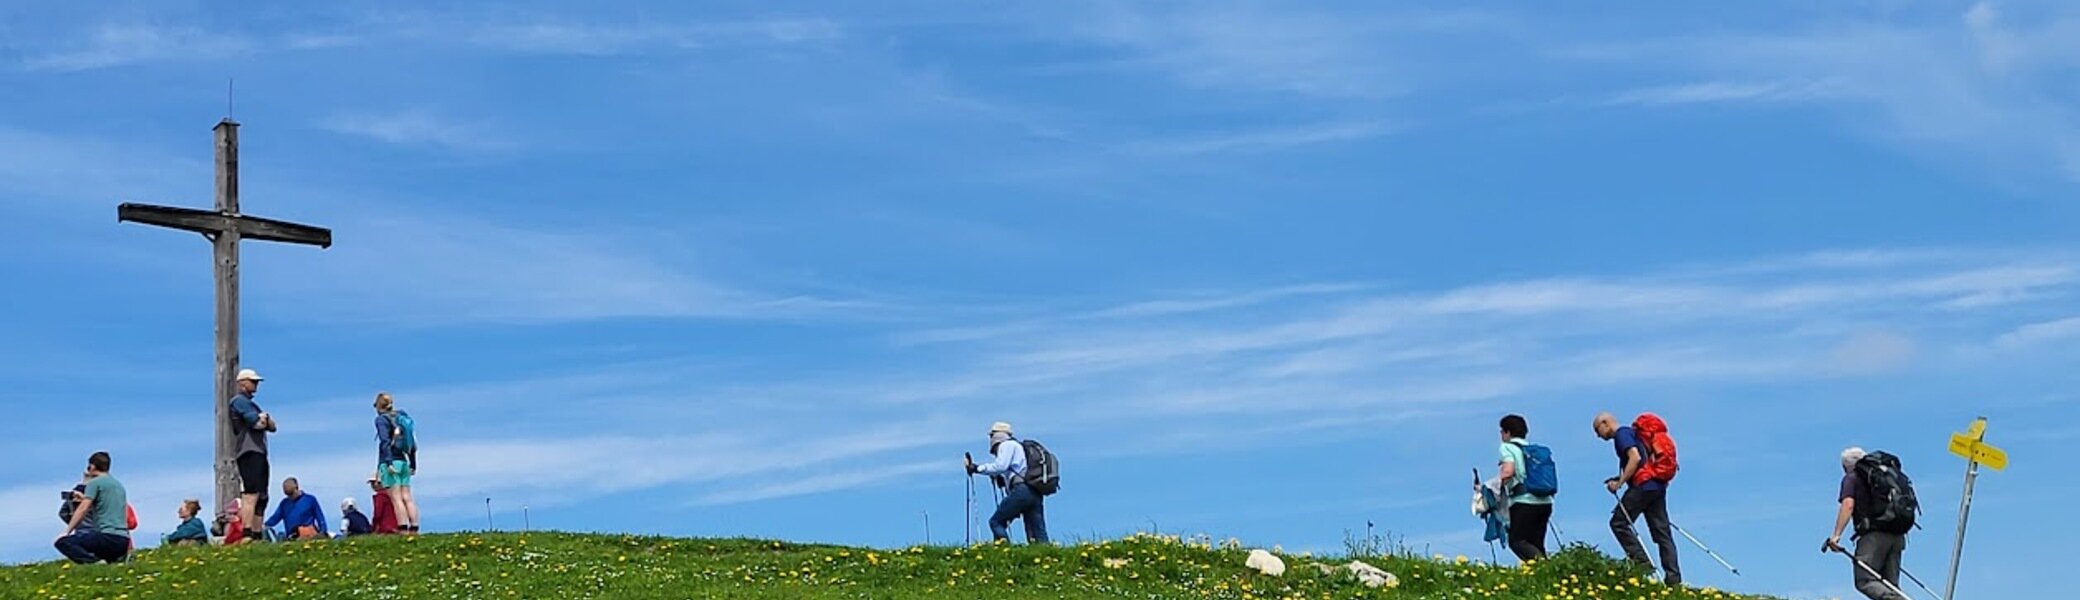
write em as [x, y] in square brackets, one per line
[1972, 446]
[1964, 515]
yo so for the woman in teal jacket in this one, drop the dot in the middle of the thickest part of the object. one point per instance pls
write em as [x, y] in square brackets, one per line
[191, 532]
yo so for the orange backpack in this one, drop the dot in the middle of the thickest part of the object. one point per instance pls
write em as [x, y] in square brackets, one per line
[1659, 450]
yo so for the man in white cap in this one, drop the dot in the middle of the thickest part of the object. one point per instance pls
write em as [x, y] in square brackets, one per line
[351, 521]
[1007, 468]
[251, 426]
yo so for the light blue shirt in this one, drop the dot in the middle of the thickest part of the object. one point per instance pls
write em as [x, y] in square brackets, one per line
[1009, 462]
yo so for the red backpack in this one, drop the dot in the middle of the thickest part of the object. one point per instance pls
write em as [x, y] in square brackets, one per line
[1659, 462]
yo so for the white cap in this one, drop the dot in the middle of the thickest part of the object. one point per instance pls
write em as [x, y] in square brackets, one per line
[249, 375]
[1000, 427]
[346, 504]
[374, 477]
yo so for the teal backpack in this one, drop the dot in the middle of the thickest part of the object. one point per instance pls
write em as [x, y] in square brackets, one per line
[404, 440]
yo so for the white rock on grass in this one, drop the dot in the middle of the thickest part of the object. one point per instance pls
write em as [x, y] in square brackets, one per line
[1372, 576]
[1266, 563]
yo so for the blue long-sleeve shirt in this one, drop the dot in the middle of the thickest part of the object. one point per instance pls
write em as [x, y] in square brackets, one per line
[1008, 463]
[384, 431]
[297, 512]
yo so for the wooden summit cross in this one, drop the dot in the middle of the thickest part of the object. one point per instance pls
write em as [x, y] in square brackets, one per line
[225, 227]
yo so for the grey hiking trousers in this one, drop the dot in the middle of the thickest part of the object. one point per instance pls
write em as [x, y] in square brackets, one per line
[1881, 551]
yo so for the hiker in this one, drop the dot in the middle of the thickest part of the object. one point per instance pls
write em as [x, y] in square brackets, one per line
[351, 521]
[384, 522]
[1646, 493]
[1528, 469]
[251, 426]
[191, 532]
[130, 523]
[101, 506]
[72, 498]
[1007, 469]
[300, 515]
[230, 525]
[1880, 538]
[397, 460]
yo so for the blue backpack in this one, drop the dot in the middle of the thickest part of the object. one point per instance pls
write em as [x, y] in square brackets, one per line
[1541, 476]
[404, 442]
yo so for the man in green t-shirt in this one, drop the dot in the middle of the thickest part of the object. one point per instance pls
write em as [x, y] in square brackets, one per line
[103, 505]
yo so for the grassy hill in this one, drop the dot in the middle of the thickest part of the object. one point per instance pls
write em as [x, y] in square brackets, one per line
[558, 565]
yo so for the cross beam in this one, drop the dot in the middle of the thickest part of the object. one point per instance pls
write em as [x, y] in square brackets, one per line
[211, 224]
[225, 227]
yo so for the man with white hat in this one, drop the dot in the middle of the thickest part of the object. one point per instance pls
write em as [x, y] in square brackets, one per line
[1007, 469]
[251, 426]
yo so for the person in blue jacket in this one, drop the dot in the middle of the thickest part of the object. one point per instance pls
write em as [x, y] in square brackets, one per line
[299, 515]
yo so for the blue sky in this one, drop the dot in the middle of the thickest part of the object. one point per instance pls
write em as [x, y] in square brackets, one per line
[1255, 270]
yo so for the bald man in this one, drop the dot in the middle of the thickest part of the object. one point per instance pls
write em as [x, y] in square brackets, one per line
[1647, 498]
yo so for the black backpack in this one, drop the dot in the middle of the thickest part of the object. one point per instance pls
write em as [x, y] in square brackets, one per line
[1043, 473]
[1891, 506]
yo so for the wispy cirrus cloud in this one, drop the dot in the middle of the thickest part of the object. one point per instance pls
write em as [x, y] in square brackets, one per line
[1717, 92]
[1309, 54]
[1507, 338]
[1976, 88]
[603, 39]
[1264, 140]
[422, 127]
[419, 269]
[116, 44]
[2040, 333]
[399, 265]
[852, 477]
[113, 45]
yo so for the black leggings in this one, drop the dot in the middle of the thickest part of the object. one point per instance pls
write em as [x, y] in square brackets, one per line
[1527, 530]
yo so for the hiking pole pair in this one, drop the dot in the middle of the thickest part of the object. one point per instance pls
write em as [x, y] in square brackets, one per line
[1635, 530]
[1902, 570]
[968, 517]
[1880, 576]
[1686, 534]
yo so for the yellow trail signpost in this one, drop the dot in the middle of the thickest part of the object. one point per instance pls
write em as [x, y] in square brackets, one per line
[1972, 447]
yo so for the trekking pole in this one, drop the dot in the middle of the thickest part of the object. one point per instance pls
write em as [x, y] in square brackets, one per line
[968, 519]
[1917, 581]
[1558, 536]
[1874, 572]
[1635, 531]
[1707, 549]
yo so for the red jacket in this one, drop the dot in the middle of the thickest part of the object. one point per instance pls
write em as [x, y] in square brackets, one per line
[385, 518]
